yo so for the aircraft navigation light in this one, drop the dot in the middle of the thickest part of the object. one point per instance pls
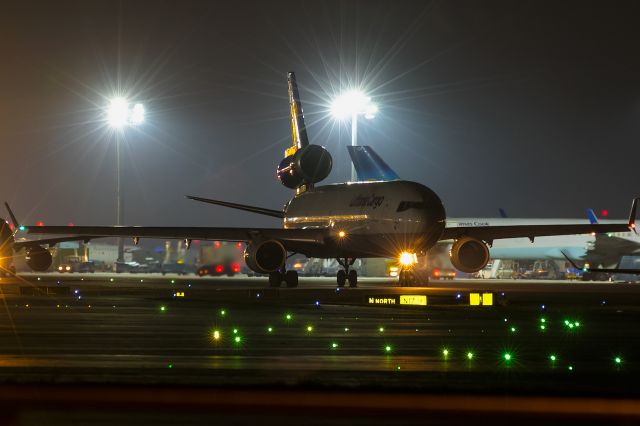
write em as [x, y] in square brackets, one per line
[408, 259]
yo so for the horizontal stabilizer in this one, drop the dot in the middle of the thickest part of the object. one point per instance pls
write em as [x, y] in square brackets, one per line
[369, 166]
[253, 209]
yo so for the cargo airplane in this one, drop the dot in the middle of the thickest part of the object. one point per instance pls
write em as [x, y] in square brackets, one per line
[389, 218]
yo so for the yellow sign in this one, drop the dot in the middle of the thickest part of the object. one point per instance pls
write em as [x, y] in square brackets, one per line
[382, 300]
[179, 294]
[413, 299]
[484, 299]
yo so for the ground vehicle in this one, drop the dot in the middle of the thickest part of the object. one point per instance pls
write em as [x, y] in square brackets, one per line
[175, 268]
[217, 269]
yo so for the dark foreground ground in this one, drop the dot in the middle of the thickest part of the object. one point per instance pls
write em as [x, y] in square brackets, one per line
[127, 348]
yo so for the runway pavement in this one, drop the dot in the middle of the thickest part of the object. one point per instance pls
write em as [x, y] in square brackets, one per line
[564, 338]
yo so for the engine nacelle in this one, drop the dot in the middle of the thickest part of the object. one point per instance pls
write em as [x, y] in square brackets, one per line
[265, 256]
[308, 165]
[38, 258]
[469, 254]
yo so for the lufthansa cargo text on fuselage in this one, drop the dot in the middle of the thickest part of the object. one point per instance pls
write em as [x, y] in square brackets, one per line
[372, 201]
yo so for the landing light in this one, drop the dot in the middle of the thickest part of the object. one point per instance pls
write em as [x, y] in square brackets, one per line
[342, 234]
[408, 259]
[216, 335]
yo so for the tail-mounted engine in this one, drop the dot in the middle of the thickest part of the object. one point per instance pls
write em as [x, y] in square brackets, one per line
[308, 165]
[469, 254]
[38, 258]
[266, 256]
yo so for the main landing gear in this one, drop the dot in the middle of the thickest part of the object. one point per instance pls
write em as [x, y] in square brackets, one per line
[407, 277]
[346, 274]
[289, 277]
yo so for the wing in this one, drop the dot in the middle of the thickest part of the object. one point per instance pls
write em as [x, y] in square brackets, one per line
[293, 239]
[19, 245]
[490, 233]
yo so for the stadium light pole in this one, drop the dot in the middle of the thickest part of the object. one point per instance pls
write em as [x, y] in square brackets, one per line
[352, 104]
[119, 116]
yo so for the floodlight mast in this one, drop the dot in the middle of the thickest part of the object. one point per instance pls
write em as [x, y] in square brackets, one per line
[353, 103]
[119, 116]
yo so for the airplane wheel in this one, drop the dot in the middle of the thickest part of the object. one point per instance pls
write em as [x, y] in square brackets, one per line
[275, 279]
[353, 278]
[291, 278]
[341, 277]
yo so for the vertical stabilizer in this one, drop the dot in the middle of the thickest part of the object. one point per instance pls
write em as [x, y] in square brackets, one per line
[369, 166]
[298, 129]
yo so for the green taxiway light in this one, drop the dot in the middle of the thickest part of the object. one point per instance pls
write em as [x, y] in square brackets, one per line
[346, 329]
[513, 329]
[334, 345]
[269, 329]
[381, 329]
[571, 368]
[507, 356]
[618, 360]
[570, 325]
[162, 308]
[387, 348]
[237, 339]
[566, 322]
[469, 355]
[223, 312]
[445, 352]
[309, 328]
[543, 327]
[553, 358]
[235, 331]
[170, 366]
[397, 367]
[288, 317]
[543, 320]
[577, 324]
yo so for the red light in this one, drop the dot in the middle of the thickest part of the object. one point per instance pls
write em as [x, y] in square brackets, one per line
[235, 267]
[239, 245]
[604, 213]
[70, 224]
[216, 244]
[219, 268]
[436, 272]
[40, 223]
[11, 226]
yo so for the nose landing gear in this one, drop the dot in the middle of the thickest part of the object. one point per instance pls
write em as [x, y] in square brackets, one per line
[347, 274]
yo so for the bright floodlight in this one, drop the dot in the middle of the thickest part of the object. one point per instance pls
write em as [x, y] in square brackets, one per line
[353, 103]
[119, 114]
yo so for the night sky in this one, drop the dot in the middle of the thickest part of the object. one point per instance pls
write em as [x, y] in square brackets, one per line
[529, 106]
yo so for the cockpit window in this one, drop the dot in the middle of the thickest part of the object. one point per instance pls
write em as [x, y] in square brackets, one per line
[406, 205]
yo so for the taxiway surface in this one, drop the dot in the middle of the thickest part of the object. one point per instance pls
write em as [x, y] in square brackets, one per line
[536, 337]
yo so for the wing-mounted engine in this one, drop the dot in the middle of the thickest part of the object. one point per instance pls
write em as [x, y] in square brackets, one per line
[265, 256]
[308, 165]
[38, 258]
[469, 254]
